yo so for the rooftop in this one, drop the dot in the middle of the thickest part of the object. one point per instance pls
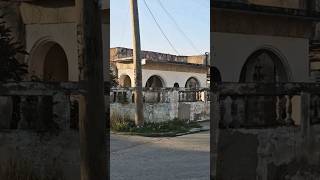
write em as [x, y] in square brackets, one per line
[263, 8]
[125, 55]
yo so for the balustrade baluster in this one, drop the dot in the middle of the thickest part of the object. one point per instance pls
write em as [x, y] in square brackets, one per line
[289, 120]
[228, 113]
[317, 108]
[278, 109]
[23, 124]
[234, 112]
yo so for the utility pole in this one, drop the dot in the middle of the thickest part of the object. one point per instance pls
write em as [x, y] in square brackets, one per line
[139, 119]
[92, 125]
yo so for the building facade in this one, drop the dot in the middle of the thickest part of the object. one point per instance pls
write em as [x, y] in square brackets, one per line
[269, 40]
[161, 70]
[49, 30]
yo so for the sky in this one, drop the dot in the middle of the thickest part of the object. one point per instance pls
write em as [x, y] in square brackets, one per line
[191, 16]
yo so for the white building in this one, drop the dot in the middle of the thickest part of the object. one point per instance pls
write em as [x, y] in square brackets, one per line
[161, 70]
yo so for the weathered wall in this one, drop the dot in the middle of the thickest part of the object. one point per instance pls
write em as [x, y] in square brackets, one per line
[296, 4]
[169, 77]
[243, 46]
[267, 154]
[44, 153]
[63, 34]
[158, 112]
[163, 105]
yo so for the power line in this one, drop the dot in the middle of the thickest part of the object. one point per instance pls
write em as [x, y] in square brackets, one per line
[177, 25]
[158, 25]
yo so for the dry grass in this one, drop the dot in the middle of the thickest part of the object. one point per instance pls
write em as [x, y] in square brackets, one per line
[23, 170]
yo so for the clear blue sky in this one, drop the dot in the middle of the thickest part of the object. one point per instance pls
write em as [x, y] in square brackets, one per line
[193, 17]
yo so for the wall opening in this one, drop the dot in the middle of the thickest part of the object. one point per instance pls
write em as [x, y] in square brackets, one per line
[192, 83]
[155, 82]
[48, 61]
[125, 81]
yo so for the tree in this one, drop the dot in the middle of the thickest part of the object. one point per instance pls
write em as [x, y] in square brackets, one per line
[10, 67]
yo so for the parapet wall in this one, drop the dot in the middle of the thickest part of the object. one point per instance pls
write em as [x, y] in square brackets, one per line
[163, 104]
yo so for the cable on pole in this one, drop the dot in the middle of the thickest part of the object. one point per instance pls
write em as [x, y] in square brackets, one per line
[158, 25]
[178, 27]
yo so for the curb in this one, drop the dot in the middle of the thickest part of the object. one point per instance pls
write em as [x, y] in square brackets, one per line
[168, 134]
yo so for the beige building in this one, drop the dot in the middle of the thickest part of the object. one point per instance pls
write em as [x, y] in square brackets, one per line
[264, 40]
[161, 70]
[49, 31]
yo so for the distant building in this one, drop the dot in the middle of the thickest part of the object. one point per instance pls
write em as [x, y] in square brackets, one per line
[161, 70]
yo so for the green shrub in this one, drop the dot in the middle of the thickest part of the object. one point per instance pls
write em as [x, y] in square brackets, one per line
[121, 123]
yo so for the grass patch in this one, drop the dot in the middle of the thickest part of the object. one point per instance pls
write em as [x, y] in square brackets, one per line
[167, 128]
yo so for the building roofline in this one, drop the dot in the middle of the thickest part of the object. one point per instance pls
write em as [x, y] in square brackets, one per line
[265, 10]
[146, 51]
[129, 59]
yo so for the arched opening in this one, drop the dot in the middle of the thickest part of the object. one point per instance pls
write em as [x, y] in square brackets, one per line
[215, 75]
[49, 62]
[155, 82]
[263, 66]
[55, 65]
[176, 85]
[192, 83]
[125, 81]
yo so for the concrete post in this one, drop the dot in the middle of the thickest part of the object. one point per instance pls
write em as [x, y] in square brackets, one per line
[139, 120]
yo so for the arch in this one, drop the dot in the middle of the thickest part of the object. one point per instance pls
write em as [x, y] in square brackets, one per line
[192, 83]
[48, 61]
[125, 81]
[176, 85]
[215, 75]
[155, 81]
[265, 65]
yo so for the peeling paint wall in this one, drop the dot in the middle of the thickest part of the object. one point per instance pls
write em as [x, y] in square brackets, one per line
[45, 153]
[163, 105]
[263, 154]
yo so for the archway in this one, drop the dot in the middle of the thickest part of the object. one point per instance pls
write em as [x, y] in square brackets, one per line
[263, 66]
[155, 82]
[125, 81]
[49, 62]
[215, 75]
[192, 83]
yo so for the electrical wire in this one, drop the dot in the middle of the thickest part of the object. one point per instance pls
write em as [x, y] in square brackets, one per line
[178, 27]
[158, 25]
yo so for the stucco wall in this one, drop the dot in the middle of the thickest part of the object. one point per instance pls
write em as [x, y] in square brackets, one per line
[275, 153]
[64, 34]
[169, 77]
[44, 153]
[159, 112]
[230, 52]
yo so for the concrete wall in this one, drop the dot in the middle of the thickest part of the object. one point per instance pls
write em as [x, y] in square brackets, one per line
[159, 112]
[169, 77]
[231, 50]
[265, 154]
[63, 34]
[163, 105]
[44, 153]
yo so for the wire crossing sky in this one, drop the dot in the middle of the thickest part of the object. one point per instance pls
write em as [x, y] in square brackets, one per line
[173, 26]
